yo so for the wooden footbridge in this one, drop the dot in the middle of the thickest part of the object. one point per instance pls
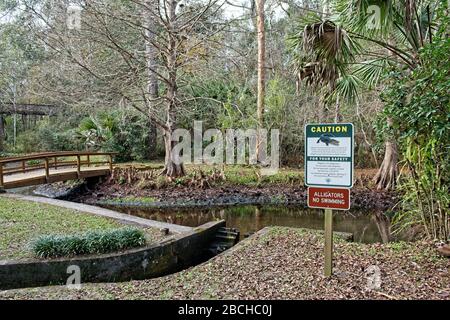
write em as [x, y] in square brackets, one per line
[30, 109]
[52, 167]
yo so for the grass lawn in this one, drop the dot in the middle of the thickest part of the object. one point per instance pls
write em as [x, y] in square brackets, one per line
[285, 263]
[22, 221]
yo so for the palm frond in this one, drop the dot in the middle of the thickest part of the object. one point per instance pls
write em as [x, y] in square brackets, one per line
[373, 18]
[87, 124]
[323, 50]
[370, 72]
[327, 51]
[347, 88]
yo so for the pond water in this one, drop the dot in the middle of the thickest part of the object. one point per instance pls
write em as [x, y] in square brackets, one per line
[249, 219]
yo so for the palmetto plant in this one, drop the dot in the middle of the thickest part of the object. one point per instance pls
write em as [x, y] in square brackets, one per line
[358, 44]
[94, 131]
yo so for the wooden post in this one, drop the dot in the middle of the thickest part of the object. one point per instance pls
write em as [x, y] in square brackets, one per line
[23, 166]
[56, 162]
[47, 170]
[111, 163]
[88, 160]
[328, 242]
[78, 166]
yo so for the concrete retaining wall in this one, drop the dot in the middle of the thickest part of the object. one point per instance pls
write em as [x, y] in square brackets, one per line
[173, 255]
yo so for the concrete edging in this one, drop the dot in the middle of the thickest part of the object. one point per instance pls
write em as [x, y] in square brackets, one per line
[175, 254]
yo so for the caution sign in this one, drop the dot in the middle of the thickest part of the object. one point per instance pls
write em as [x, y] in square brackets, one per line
[329, 198]
[329, 155]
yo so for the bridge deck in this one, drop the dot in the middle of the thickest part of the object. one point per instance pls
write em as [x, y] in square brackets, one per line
[49, 167]
[55, 175]
[29, 109]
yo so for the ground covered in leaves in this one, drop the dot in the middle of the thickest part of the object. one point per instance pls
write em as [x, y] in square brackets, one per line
[285, 263]
[23, 221]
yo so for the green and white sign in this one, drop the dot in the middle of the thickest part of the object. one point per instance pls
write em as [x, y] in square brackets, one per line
[329, 155]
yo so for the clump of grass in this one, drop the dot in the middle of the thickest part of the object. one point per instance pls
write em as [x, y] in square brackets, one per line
[93, 242]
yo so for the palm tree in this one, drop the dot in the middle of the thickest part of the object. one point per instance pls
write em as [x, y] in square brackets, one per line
[356, 46]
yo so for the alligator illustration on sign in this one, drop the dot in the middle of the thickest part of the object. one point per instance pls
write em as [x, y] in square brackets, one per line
[327, 139]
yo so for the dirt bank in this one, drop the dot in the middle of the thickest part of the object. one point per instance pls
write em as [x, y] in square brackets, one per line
[181, 196]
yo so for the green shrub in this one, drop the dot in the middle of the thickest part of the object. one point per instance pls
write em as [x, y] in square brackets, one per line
[118, 131]
[53, 246]
[418, 105]
[33, 162]
[54, 134]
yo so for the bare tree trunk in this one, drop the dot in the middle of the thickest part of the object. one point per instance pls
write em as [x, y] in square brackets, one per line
[386, 176]
[14, 130]
[151, 140]
[24, 122]
[321, 112]
[14, 90]
[337, 112]
[325, 8]
[2, 133]
[173, 164]
[151, 54]
[261, 73]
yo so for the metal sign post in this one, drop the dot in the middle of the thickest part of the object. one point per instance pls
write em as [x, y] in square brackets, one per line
[329, 174]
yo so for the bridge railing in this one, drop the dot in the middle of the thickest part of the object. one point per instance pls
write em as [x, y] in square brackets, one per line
[54, 160]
